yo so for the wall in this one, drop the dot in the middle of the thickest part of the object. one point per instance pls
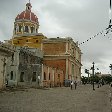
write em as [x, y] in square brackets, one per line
[63, 53]
[5, 52]
[54, 48]
[28, 40]
[1, 72]
[26, 66]
[52, 76]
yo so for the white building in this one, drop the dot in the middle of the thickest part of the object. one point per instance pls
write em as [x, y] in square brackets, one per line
[5, 52]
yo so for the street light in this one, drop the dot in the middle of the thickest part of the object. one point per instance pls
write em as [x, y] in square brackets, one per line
[93, 74]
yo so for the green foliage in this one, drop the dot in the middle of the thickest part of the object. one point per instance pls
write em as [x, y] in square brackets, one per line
[95, 79]
[84, 80]
[107, 79]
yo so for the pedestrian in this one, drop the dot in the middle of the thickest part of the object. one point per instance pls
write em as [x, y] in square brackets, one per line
[75, 83]
[71, 85]
[98, 84]
[111, 84]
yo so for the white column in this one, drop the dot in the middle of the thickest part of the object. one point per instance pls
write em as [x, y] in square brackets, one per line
[35, 28]
[29, 29]
[53, 75]
[48, 74]
[66, 47]
[23, 28]
[41, 46]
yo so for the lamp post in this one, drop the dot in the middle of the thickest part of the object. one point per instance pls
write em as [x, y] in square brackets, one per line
[93, 74]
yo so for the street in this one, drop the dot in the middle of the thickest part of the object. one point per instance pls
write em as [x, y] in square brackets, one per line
[60, 99]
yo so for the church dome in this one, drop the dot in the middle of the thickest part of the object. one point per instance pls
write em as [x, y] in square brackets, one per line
[27, 14]
[26, 22]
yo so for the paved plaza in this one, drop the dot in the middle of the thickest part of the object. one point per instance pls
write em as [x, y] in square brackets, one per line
[60, 99]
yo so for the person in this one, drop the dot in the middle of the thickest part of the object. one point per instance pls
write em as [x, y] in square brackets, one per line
[111, 84]
[75, 83]
[71, 85]
[98, 84]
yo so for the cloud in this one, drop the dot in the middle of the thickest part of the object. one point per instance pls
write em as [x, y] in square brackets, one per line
[79, 19]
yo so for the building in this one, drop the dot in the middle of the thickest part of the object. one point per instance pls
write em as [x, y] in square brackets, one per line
[24, 68]
[5, 52]
[63, 53]
[25, 31]
[62, 56]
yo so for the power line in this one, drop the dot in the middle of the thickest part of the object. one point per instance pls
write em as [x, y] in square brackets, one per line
[103, 32]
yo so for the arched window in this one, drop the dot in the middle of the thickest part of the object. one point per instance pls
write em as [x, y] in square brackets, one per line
[22, 77]
[44, 76]
[26, 29]
[11, 75]
[32, 29]
[34, 77]
[20, 27]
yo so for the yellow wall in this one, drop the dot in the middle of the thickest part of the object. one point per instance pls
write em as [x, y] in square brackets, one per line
[30, 41]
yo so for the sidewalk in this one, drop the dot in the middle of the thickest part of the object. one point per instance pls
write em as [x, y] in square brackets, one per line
[62, 99]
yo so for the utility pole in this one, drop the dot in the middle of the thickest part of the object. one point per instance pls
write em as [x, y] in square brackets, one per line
[93, 74]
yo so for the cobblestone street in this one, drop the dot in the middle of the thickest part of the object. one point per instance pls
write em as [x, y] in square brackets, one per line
[83, 99]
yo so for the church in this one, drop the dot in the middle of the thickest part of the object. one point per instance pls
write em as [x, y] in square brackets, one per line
[61, 58]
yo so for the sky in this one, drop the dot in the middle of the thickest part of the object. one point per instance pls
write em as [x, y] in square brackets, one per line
[79, 19]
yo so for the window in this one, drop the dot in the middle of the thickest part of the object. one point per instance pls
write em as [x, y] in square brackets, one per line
[15, 29]
[18, 42]
[11, 76]
[26, 29]
[26, 40]
[20, 27]
[22, 77]
[36, 41]
[58, 76]
[32, 29]
[12, 58]
[28, 8]
[34, 77]
[44, 76]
